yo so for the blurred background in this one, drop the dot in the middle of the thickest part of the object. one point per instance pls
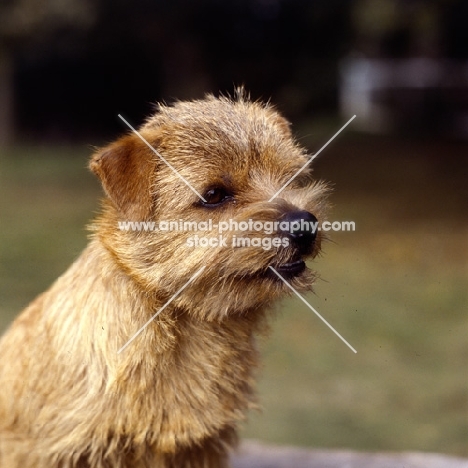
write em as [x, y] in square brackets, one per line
[396, 288]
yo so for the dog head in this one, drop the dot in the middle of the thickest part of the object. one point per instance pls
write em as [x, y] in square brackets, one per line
[218, 188]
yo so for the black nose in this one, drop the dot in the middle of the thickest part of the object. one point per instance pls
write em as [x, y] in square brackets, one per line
[301, 228]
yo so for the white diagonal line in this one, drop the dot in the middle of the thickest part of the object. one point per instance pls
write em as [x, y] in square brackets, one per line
[312, 158]
[312, 309]
[162, 159]
[161, 309]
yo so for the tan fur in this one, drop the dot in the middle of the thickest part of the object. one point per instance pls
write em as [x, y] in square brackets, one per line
[174, 396]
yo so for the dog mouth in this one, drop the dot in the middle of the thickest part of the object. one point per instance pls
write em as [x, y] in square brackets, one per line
[290, 269]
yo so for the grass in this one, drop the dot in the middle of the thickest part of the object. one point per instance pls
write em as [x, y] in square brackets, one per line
[396, 289]
[48, 198]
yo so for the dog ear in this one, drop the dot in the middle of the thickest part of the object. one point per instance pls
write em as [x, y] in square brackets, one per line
[126, 170]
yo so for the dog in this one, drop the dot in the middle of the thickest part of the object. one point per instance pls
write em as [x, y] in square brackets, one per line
[143, 354]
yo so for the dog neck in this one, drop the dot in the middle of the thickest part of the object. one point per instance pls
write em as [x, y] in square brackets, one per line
[199, 372]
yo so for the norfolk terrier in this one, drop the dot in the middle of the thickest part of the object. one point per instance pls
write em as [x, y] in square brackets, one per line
[143, 354]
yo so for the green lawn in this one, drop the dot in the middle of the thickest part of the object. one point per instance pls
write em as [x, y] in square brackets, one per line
[396, 289]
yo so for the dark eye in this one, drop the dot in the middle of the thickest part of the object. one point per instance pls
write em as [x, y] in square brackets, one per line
[216, 196]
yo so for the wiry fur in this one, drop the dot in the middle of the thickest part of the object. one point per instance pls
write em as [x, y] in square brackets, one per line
[173, 398]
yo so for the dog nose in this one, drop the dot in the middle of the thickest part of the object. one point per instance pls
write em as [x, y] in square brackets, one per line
[301, 228]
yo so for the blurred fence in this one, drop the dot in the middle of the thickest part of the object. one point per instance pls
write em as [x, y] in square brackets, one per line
[417, 95]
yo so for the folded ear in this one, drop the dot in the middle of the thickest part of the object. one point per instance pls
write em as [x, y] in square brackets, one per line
[126, 169]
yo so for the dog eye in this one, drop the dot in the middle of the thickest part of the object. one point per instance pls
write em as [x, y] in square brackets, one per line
[216, 196]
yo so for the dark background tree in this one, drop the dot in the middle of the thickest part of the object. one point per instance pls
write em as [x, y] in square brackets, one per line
[27, 28]
[74, 65]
